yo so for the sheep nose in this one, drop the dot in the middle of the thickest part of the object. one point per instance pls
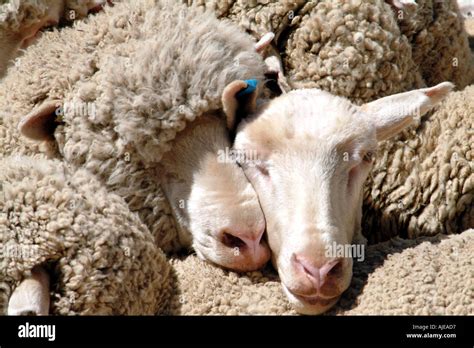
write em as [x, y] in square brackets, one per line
[249, 247]
[318, 271]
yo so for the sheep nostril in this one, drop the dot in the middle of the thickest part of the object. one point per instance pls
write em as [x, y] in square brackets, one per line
[232, 241]
[335, 270]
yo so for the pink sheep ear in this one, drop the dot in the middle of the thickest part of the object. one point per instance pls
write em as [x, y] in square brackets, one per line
[392, 114]
[239, 99]
[40, 123]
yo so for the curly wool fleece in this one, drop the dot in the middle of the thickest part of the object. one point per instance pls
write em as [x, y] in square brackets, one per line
[139, 106]
[423, 181]
[18, 17]
[359, 49]
[103, 259]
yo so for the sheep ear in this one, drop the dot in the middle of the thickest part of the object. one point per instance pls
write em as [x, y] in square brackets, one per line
[264, 42]
[40, 123]
[392, 114]
[239, 99]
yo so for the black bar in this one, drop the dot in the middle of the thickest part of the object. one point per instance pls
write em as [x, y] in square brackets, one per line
[242, 330]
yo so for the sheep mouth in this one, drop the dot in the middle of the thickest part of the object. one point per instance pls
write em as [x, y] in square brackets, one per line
[313, 300]
[317, 300]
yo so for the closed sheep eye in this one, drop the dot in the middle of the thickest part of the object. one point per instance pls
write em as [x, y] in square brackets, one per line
[263, 170]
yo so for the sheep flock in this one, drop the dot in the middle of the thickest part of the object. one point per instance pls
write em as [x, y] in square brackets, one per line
[354, 119]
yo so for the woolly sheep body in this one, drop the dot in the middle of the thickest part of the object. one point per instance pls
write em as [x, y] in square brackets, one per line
[21, 19]
[102, 61]
[108, 46]
[361, 50]
[423, 181]
[83, 234]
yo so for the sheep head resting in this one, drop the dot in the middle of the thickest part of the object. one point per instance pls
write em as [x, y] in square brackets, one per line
[216, 207]
[307, 153]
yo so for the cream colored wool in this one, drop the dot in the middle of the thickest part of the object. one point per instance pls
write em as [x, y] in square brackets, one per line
[16, 16]
[440, 46]
[423, 181]
[358, 49]
[424, 276]
[102, 258]
[124, 61]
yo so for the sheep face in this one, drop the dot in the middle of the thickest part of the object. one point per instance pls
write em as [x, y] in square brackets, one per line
[216, 207]
[308, 153]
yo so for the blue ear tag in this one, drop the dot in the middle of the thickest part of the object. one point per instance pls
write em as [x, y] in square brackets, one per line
[251, 87]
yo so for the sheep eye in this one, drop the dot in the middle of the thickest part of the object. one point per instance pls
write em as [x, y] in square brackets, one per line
[369, 157]
[263, 170]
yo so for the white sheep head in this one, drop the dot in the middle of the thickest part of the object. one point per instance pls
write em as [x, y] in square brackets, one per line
[307, 153]
[216, 208]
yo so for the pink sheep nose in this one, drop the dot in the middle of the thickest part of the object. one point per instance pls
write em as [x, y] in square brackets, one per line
[250, 249]
[318, 271]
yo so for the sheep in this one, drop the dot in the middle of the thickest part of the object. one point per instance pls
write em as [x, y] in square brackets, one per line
[363, 51]
[315, 150]
[121, 107]
[420, 276]
[193, 170]
[422, 182]
[63, 225]
[440, 46]
[22, 20]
